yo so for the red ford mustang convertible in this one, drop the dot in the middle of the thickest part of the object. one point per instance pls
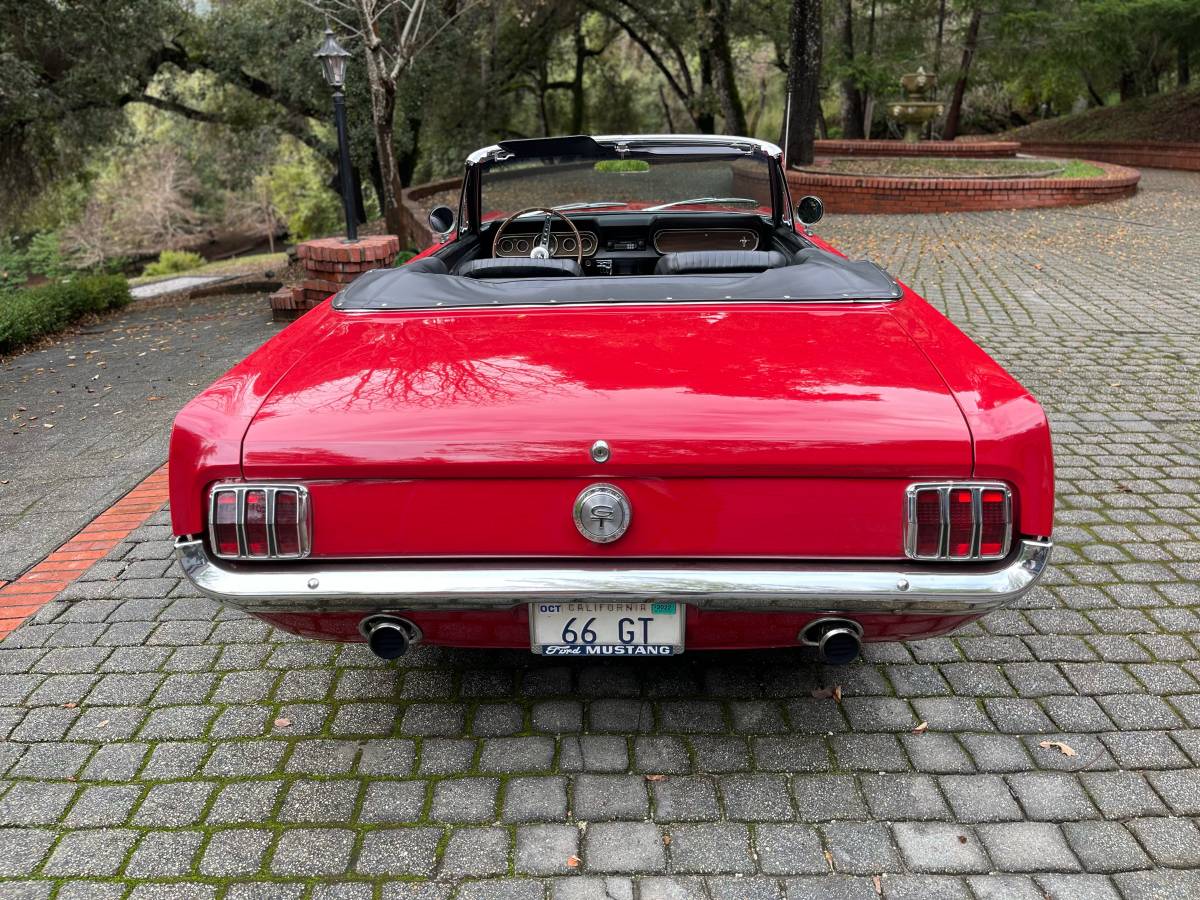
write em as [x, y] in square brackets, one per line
[627, 406]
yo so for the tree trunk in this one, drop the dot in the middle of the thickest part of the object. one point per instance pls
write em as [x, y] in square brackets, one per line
[383, 110]
[724, 74]
[1091, 89]
[852, 104]
[662, 98]
[1183, 65]
[705, 118]
[941, 30]
[804, 81]
[954, 113]
[1128, 85]
[581, 55]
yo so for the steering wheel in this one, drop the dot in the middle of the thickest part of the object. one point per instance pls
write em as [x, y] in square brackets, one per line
[541, 246]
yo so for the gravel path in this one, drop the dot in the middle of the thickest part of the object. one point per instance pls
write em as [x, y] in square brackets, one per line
[159, 746]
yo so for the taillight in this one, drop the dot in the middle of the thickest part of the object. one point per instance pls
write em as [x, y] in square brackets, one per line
[287, 523]
[257, 543]
[962, 524]
[260, 521]
[224, 523]
[958, 521]
[994, 523]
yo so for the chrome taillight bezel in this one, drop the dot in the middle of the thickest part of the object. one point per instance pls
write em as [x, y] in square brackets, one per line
[272, 492]
[944, 489]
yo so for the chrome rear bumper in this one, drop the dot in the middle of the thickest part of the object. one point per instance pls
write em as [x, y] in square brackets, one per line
[748, 585]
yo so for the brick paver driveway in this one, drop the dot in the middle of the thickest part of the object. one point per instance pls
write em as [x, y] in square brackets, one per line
[162, 746]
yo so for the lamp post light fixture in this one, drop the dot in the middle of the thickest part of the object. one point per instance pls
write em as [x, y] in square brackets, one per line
[333, 59]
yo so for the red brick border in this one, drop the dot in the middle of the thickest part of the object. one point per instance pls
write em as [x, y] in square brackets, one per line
[20, 599]
[964, 149]
[1146, 154]
[873, 194]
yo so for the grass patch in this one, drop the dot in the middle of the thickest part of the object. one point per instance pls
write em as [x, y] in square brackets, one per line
[241, 265]
[30, 313]
[171, 262]
[940, 167]
[1078, 168]
[622, 165]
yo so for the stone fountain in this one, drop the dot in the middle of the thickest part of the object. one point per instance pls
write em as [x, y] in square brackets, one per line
[914, 110]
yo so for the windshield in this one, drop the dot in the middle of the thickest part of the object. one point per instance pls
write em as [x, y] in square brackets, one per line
[727, 182]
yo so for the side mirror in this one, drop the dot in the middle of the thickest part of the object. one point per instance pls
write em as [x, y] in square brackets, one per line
[810, 210]
[441, 220]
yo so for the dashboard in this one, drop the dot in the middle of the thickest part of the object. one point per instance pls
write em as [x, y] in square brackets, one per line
[631, 244]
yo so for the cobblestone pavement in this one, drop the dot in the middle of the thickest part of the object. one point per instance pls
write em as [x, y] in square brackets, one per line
[86, 416]
[160, 746]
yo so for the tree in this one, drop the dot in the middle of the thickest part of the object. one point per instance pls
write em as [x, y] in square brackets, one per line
[393, 34]
[69, 67]
[803, 81]
[970, 44]
[852, 97]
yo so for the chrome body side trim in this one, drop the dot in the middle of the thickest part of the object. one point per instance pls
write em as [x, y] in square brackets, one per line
[750, 585]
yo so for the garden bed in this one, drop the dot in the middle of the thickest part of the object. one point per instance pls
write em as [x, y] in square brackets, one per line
[906, 194]
[935, 167]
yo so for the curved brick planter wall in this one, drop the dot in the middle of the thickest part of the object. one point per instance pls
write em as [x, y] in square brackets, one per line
[964, 149]
[1143, 154]
[866, 194]
[414, 214]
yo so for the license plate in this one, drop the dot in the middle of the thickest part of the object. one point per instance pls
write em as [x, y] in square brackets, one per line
[606, 629]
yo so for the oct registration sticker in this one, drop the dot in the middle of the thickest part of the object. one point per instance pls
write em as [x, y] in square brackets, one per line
[606, 629]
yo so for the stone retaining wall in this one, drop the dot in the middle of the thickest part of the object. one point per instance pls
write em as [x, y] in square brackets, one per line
[1143, 154]
[964, 149]
[873, 194]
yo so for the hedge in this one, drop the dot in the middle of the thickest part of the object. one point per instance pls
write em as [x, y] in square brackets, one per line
[30, 313]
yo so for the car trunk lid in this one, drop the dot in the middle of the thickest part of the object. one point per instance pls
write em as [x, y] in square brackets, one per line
[808, 390]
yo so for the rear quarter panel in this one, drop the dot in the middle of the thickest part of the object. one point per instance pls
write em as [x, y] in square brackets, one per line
[1009, 430]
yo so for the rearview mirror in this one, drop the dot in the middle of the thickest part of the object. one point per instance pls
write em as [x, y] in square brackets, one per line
[441, 220]
[810, 210]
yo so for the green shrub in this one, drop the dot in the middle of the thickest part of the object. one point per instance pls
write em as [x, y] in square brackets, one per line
[173, 261]
[39, 255]
[622, 165]
[297, 191]
[28, 314]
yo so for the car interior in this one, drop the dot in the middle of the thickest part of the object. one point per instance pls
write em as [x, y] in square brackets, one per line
[621, 244]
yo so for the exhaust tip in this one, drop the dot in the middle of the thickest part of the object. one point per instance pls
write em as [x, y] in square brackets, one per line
[839, 646]
[838, 641]
[389, 637]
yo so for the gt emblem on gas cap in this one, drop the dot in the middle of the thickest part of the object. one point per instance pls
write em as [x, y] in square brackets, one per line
[602, 513]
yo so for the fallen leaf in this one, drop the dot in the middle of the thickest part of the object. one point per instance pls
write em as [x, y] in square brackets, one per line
[827, 692]
[829, 859]
[69, 705]
[878, 882]
[666, 840]
[962, 838]
[656, 777]
[1062, 748]
[283, 723]
[103, 723]
[921, 729]
[573, 862]
[47, 424]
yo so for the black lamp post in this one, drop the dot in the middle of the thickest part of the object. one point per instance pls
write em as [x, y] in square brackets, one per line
[333, 63]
